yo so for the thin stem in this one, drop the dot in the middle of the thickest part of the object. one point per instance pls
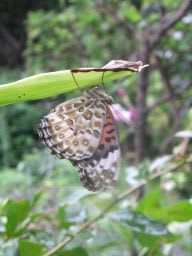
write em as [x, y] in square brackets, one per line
[168, 23]
[119, 198]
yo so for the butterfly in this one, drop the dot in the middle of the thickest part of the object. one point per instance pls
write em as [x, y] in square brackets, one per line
[83, 130]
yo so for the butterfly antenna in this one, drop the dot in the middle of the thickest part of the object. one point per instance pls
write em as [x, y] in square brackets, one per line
[121, 117]
[102, 80]
[75, 81]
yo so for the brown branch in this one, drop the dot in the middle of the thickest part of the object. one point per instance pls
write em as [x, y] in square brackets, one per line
[183, 147]
[118, 199]
[10, 47]
[161, 9]
[104, 8]
[165, 77]
[168, 85]
[166, 98]
[140, 125]
[9, 38]
[148, 41]
[162, 100]
[167, 24]
[176, 126]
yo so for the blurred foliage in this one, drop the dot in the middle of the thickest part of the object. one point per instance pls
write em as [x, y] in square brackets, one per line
[42, 200]
[56, 204]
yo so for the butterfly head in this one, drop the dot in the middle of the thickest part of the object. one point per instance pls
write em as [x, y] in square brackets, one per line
[98, 94]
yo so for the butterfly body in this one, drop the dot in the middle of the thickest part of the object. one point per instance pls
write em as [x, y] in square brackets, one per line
[83, 131]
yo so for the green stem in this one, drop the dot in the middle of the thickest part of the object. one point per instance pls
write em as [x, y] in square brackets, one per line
[53, 83]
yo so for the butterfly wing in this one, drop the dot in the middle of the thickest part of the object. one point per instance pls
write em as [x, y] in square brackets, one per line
[73, 129]
[100, 172]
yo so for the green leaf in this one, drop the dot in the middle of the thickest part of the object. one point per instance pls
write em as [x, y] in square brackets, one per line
[150, 206]
[78, 251]
[123, 232]
[131, 13]
[150, 201]
[16, 212]
[140, 223]
[22, 228]
[149, 240]
[54, 83]
[28, 248]
[35, 199]
[108, 245]
[61, 216]
[181, 212]
[18, 219]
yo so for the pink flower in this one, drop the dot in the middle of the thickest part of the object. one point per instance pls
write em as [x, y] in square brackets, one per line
[133, 113]
[122, 92]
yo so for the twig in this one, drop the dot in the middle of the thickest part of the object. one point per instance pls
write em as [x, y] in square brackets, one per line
[143, 251]
[165, 98]
[176, 126]
[167, 24]
[165, 77]
[119, 198]
[103, 7]
[141, 105]
[10, 39]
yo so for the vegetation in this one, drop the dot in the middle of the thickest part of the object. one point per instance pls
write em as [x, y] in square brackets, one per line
[44, 210]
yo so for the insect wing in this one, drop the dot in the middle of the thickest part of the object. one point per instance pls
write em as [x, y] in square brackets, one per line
[73, 129]
[100, 172]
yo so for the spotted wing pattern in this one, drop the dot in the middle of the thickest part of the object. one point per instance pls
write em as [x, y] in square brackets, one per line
[100, 172]
[73, 129]
[83, 131]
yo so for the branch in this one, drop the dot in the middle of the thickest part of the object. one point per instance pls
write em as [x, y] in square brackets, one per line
[176, 126]
[167, 24]
[148, 41]
[118, 199]
[141, 105]
[8, 37]
[10, 47]
[166, 98]
[165, 77]
[107, 11]
[162, 100]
